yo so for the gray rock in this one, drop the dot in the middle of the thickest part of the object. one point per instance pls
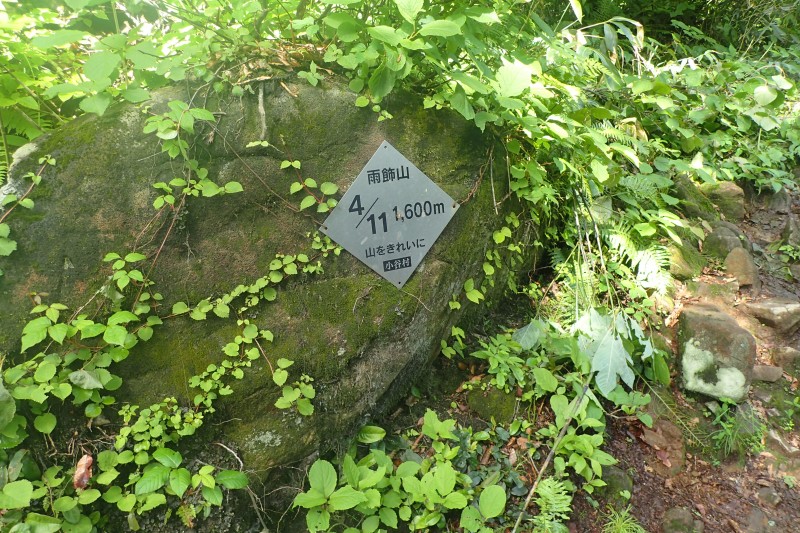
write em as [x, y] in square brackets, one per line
[780, 202]
[758, 522]
[743, 239]
[769, 496]
[618, 482]
[720, 242]
[680, 520]
[767, 373]
[782, 314]
[725, 292]
[685, 262]
[776, 440]
[361, 339]
[739, 263]
[716, 355]
[788, 358]
[728, 197]
[791, 231]
[693, 202]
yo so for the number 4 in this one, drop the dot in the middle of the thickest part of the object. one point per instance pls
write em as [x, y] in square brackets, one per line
[355, 205]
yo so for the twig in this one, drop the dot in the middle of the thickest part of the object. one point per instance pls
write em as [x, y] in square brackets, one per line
[550, 457]
[241, 464]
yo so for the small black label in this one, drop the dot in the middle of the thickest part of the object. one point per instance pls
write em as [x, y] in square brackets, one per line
[397, 264]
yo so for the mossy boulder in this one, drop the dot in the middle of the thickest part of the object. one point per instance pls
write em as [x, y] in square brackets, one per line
[716, 355]
[685, 262]
[693, 202]
[728, 197]
[361, 339]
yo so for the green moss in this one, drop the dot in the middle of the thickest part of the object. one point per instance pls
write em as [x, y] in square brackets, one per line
[492, 403]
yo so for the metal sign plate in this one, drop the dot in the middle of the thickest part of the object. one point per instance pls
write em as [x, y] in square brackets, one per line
[390, 216]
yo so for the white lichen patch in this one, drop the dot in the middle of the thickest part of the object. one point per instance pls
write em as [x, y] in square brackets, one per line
[700, 375]
[269, 439]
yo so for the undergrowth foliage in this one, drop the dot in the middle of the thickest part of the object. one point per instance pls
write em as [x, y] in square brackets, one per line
[596, 123]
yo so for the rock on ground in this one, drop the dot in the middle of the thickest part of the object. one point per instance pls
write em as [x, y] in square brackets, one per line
[782, 314]
[361, 339]
[716, 355]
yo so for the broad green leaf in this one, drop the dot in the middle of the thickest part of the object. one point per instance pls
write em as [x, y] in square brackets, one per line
[307, 202]
[136, 95]
[167, 457]
[179, 481]
[152, 501]
[599, 170]
[44, 372]
[492, 502]
[16, 495]
[58, 38]
[764, 95]
[512, 79]
[86, 379]
[545, 379]
[45, 423]
[101, 65]
[322, 476]
[346, 498]
[328, 188]
[7, 246]
[371, 434]
[213, 495]
[455, 500]
[409, 9]
[440, 28]
[386, 34]
[312, 498]
[88, 496]
[232, 479]
[115, 335]
[96, 104]
[152, 480]
[381, 82]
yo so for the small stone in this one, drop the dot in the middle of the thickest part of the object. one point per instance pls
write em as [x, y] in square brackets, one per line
[794, 270]
[769, 496]
[680, 520]
[782, 314]
[492, 403]
[758, 522]
[767, 373]
[739, 263]
[788, 358]
[776, 440]
[780, 202]
[618, 482]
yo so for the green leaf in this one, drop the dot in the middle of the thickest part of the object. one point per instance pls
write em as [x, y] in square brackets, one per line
[151, 480]
[179, 481]
[233, 187]
[167, 457]
[388, 517]
[16, 495]
[305, 407]
[122, 317]
[44, 372]
[57, 332]
[8, 407]
[381, 82]
[346, 498]
[386, 34]
[126, 503]
[513, 78]
[455, 500]
[307, 500]
[440, 28]
[409, 9]
[58, 38]
[86, 379]
[34, 332]
[545, 379]
[45, 423]
[88, 496]
[599, 170]
[101, 65]
[764, 95]
[96, 104]
[280, 376]
[115, 335]
[322, 476]
[212, 495]
[371, 434]
[179, 308]
[492, 502]
[307, 202]
[577, 9]
[136, 95]
[152, 501]
[328, 188]
[232, 479]
[7, 246]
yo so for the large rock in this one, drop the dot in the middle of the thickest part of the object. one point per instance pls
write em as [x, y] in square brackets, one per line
[782, 314]
[361, 339]
[728, 197]
[717, 356]
[720, 242]
[740, 264]
[693, 201]
[685, 262]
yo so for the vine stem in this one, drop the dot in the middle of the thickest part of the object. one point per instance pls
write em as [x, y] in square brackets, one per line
[550, 456]
[33, 184]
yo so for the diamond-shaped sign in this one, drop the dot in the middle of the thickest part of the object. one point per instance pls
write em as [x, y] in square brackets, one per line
[390, 216]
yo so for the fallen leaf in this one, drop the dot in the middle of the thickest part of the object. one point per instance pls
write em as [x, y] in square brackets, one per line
[83, 472]
[663, 456]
